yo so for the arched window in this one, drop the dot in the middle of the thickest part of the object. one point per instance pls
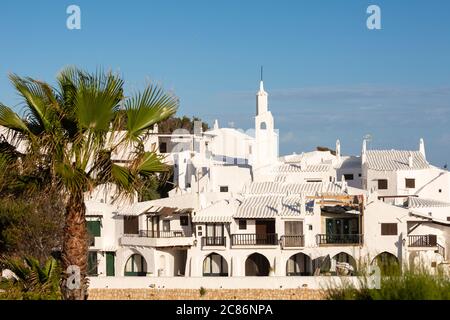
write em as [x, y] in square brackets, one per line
[388, 263]
[345, 264]
[298, 265]
[136, 266]
[257, 265]
[215, 265]
[263, 126]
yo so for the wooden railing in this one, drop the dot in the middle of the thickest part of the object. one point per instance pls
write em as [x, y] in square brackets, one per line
[428, 240]
[214, 241]
[441, 250]
[292, 241]
[250, 239]
[164, 234]
[339, 239]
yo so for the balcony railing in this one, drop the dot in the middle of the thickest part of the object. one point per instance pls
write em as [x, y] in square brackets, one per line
[252, 239]
[214, 241]
[164, 234]
[428, 240]
[441, 250]
[339, 239]
[293, 241]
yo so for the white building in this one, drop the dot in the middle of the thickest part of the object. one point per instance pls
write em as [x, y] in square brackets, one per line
[238, 210]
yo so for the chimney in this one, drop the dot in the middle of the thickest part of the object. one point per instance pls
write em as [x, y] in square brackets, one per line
[422, 147]
[410, 160]
[338, 150]
[216, 124]
[363, 152]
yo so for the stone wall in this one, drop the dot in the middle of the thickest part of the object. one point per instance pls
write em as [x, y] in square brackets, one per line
[206, 294]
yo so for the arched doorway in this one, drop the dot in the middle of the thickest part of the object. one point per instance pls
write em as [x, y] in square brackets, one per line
[136, 266]
[257, 265]
[345, 264]
[299, 265]
[388, 263]
[215, 265]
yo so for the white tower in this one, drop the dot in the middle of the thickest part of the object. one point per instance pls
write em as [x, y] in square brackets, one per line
[265, 136]
[338, 150]
[422, 147]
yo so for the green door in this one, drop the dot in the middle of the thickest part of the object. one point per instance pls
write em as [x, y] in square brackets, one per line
[110, 271]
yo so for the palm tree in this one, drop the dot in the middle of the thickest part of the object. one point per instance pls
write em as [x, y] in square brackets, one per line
[31, 278]
[72, 130]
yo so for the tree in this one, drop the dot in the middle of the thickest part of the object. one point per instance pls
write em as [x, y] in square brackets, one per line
[71, 131]
[31, 280]
[174, 123]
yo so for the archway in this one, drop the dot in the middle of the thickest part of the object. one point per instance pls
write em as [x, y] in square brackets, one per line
[345, 264]
[136, 266]
[215, 265]
[388, 263]
[257, 265]
[299, 265]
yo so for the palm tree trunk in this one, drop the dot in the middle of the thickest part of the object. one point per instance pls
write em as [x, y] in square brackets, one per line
[75, 250]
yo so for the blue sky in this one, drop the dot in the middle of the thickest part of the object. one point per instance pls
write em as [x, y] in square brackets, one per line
[327, 75]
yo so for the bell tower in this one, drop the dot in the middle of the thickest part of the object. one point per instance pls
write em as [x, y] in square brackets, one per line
[265, 136]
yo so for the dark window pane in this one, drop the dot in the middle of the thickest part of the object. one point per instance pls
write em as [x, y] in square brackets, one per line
[410, 183]
[389, 229]
[348, 176]
[382, 184]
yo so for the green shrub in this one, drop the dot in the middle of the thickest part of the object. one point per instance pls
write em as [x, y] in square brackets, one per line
[411, 284]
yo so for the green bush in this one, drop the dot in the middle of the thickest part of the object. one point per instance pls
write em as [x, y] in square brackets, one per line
[32, 280]
[411, 284]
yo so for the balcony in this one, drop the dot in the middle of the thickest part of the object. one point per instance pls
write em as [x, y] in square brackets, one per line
[214, 241]
[164, 234]
[151, 238]
[422, 241]
[339, 239]
[254, 239]
[293, 241]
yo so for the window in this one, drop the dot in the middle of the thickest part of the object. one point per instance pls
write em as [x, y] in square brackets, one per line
[223, 188]
[293, 228]
[359, 174]
[382, 184]
[389, 229]
[94, 228]
[92, 263]
[215, 265]
[184, 221]
[163, 147]
[410, 183]
[242, 224]
[136, 266]
[166, 225]
[448, 218]
[348, 176]
[440, 190]
[131, 225]
[315, 180]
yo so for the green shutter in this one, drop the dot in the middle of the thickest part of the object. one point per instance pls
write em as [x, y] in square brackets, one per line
[92, 263]
[94, 228]
[110, 271]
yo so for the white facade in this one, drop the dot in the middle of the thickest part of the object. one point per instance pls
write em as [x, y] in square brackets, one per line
[239, 210]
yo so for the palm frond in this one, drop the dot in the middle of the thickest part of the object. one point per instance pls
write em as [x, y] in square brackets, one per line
[97, 99]
[11, 120]
[147, 108]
